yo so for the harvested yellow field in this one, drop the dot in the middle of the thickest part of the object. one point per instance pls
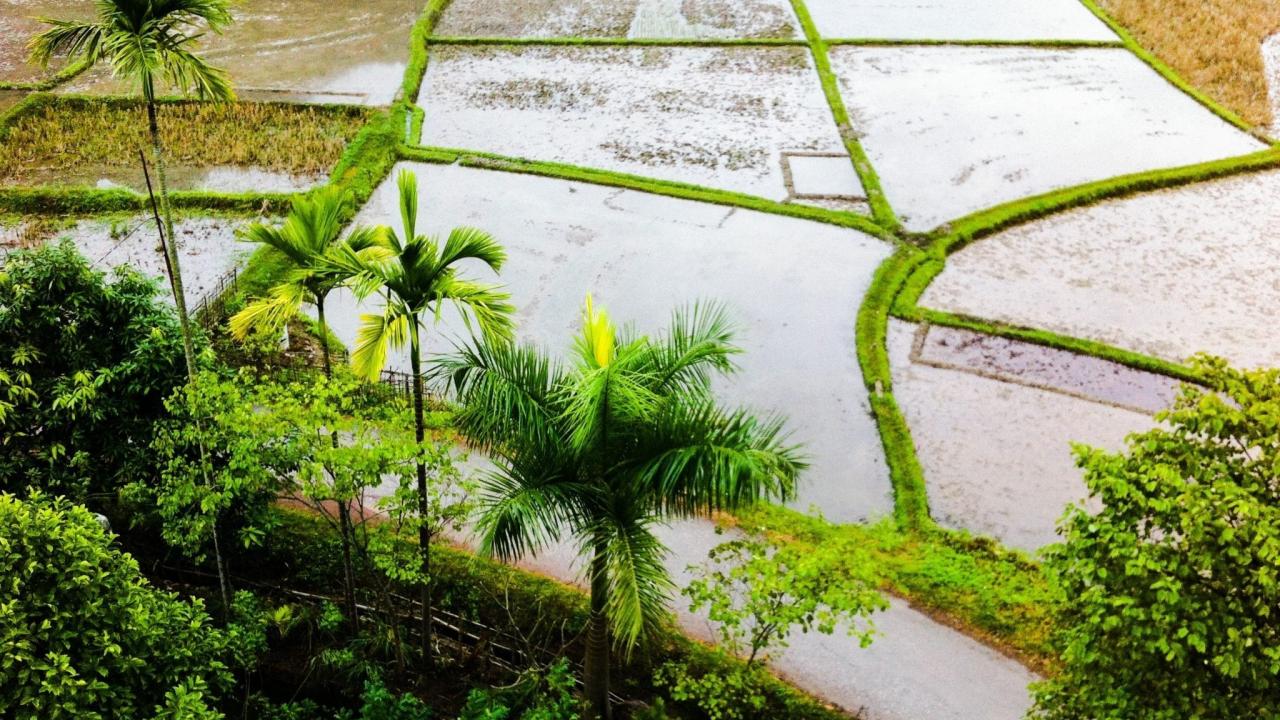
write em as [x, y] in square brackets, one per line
[1214, 44]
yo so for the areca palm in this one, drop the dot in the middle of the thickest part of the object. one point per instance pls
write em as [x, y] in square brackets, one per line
[605, 448]
[310, 235]
[149, 42]
[416, 276]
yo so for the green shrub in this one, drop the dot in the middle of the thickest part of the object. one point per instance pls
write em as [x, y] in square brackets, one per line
[83, 635]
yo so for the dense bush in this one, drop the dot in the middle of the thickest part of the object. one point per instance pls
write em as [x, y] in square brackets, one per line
[85, 366]
[83, 635]
[1174, 584]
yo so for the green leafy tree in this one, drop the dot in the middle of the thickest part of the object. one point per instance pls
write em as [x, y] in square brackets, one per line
[626, 437]
[151, 43]
[82, 633]
[85, 366]
[757, 593]
[1173, 587]
[415, 279]
[308, 236]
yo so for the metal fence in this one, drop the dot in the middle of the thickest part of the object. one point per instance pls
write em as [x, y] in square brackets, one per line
[211, 309]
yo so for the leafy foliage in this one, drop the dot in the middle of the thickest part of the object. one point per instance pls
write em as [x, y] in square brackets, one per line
[85, 366]
[83, 635]
[1173, 586]
[538, 695]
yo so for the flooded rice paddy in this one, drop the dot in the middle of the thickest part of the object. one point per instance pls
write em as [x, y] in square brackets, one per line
[620, 18]
[958, 20]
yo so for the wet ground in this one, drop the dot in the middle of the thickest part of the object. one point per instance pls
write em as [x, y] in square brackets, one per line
[958, 20]
[953, 130]
[996, 454]
[18, 22]
[305, 51]
[642, 255]
[620, 18]
[9, 98]
[1168, 273]
[719, 117]
[207, 249]
[213, 179]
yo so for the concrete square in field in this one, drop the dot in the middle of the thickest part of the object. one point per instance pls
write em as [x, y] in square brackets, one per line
[823, 176]
[620, 18]
[717, 117]
[953, 130]
[958, 20]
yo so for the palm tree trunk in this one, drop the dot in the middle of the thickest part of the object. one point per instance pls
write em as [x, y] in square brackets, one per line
[170, 244]
[424, 529]
[169, 241]
[596, 667]
[344, 505]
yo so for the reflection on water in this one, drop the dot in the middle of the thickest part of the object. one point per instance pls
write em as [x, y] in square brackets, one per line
[305, 51]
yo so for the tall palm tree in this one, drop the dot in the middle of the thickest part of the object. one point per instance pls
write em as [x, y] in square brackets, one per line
[624, 437]
[309, 236]
[149, 42]
[416, 277]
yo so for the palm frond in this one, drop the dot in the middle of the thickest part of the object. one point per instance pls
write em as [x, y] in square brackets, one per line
[524, 507]
[695, 459]
[270, 313]
[65, 38]
[485, 305]
[503, 391]
[407, 183]
[466, 243]
[639, 586]
[698, 341]
[377, 333]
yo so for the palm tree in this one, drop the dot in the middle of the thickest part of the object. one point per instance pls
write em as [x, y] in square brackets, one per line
[625, 437]
[148, 41]
[416, 277]
[306, 240]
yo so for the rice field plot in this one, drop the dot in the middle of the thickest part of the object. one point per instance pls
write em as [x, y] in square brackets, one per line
[993, 426]
[18, 22]
[792, 287]
[304, 51]
[649, 19]
[221, 147]
[958, 20]
[1168, 273]
[953, 130]
[720, 117]
[207, 248]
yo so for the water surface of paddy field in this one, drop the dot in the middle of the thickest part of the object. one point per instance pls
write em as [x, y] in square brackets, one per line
[207, 249]
[958, 20]
[952, 130]
[720, 117]
[304, 51]
[793, 287]
[620, 18]
[18, 23]
[9, 98]
[997, 455]
[237, 146]
[1168, 273]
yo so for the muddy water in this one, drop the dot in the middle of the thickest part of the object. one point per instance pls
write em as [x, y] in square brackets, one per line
[18, 23]
[222, 178]
[620, 18]
[9, 98]
[306, 51]
[1046, 368]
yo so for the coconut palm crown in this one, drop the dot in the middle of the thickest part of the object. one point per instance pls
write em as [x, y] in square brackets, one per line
[604, 448]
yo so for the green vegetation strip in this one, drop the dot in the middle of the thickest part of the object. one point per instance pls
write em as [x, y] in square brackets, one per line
[1167, 72]
[623, 42]
[895, 42]
[880, 208]
[490, 161]
[418, 55]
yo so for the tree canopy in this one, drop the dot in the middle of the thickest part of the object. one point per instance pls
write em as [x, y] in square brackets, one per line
[1172, 589]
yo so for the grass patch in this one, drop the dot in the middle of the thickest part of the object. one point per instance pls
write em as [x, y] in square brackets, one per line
[880, 208]
[1214, 44]
[999, 596]
[62, 133]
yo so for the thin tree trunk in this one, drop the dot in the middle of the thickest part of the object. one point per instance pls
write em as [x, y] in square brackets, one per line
[170, 244]
[344, 505]
[424, 530]
[596, 667]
